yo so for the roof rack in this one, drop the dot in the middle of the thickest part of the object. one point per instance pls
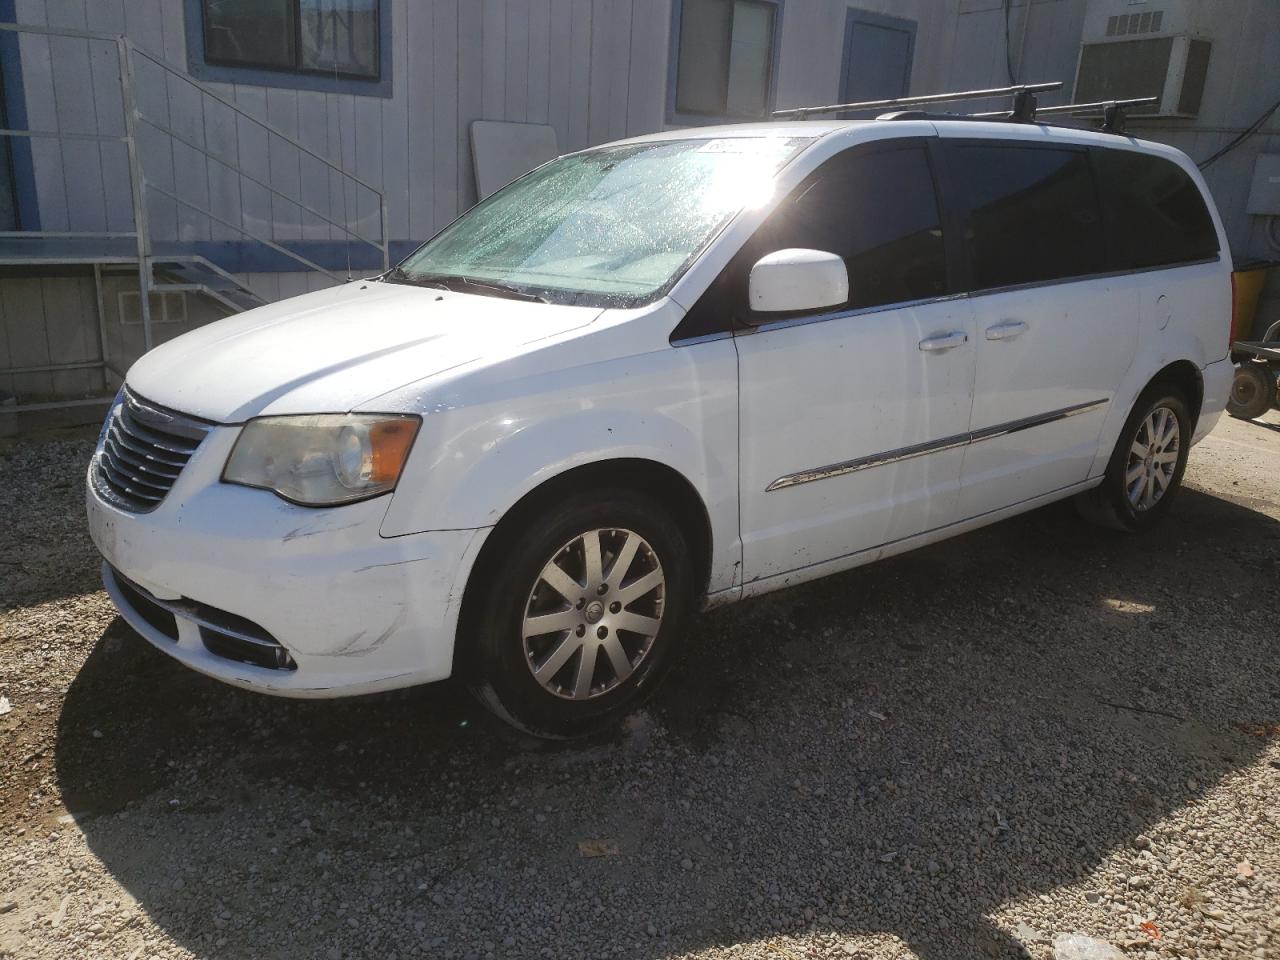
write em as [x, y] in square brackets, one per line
[1113, 111]
[1023, 108]
[1023, 95]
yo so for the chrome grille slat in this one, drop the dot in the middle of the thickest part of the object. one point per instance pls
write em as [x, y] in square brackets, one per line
[132, 478]
[167, 442]
[144, 449]
[178, 461]
[151, 469]
[128, 480]
[123, 489]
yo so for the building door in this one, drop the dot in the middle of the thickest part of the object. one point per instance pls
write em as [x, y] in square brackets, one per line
[877, 57]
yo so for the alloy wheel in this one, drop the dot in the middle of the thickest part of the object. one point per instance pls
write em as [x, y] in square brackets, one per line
[1153, 458]
[593, 614]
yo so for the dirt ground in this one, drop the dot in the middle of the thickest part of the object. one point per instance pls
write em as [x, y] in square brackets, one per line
[1030, 730]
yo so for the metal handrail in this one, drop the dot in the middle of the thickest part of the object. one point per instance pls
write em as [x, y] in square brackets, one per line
[130, 49]
[252, 179]
[70, 234]
[141, 233]
[248, 233]
[57, 32]
[165, 65]
[177, 72]
[57, 135]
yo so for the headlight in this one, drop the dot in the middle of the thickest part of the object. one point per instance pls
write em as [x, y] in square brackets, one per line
[325, 459]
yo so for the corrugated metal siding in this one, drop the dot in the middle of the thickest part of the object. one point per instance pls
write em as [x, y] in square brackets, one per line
[593, 69]
[813, 46]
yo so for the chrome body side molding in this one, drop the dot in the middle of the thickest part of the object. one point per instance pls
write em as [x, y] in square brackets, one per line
[931, 446]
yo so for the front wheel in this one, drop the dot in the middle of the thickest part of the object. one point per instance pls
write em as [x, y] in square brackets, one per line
[579, 613]
[1145, 470]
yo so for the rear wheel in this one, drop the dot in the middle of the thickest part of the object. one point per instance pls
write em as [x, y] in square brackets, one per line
[1145, 470]
[1253, 391]
[579, 613]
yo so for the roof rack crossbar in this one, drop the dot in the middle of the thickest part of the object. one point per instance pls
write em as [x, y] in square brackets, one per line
[1113, 111]
[1024, 88]
[1098, 106]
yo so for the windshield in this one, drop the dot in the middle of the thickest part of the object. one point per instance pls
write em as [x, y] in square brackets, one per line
[615, 226]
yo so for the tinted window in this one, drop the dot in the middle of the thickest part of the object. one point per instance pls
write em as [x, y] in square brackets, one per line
[1033, 214]
[878, 212]
[1156, 213]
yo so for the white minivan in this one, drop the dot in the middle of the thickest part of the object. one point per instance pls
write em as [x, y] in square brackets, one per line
[658, 375]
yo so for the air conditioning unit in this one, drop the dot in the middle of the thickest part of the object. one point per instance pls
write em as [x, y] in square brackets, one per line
[1147, 48]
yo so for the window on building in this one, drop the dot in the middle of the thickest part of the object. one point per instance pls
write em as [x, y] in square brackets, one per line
[1033, 214]
[1157, 215]
[725, 59]
[327, 37]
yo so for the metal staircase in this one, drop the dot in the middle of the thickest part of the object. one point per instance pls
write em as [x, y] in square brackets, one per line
[196, 274]
[168, 266]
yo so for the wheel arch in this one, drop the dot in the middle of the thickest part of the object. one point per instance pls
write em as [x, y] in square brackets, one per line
[1186, 376]
[1183, 374]
[650, 477]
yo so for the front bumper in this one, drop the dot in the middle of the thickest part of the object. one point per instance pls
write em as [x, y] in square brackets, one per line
[355, 611]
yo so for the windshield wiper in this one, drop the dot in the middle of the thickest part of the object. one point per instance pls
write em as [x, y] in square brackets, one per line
[461, 284]
[399, 275]
[495, 288]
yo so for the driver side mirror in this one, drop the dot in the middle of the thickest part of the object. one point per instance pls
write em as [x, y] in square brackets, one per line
[795, 279]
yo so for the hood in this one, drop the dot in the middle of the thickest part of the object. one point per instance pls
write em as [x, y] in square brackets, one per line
[330, 351]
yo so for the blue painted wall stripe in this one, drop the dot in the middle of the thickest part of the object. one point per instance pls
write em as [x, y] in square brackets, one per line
[15, 105]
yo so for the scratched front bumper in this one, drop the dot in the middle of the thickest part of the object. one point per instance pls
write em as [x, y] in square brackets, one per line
[358, 612]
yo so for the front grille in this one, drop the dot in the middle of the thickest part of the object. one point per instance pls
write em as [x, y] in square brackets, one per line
[144, 449]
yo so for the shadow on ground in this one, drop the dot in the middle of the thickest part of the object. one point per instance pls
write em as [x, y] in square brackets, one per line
[1048, 693]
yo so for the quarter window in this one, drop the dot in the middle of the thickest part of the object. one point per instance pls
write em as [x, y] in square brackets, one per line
[1033, 214]
[327, 37]
[724, 67]
[1157, 214]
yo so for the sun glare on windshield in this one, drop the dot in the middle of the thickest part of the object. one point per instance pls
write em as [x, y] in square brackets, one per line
[614, 225]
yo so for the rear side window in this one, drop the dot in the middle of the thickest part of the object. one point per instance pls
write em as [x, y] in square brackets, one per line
[1033, 214]
[1157, 214]
[876, 210]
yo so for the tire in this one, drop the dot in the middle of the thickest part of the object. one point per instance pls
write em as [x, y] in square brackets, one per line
[1253, 391]
[505, 644]
[1137, 491]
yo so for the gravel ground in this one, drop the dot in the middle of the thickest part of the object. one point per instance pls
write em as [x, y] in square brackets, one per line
[963, 752]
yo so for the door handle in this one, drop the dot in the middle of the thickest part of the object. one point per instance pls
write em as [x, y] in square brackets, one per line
[944, 341]
[1006, 330]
